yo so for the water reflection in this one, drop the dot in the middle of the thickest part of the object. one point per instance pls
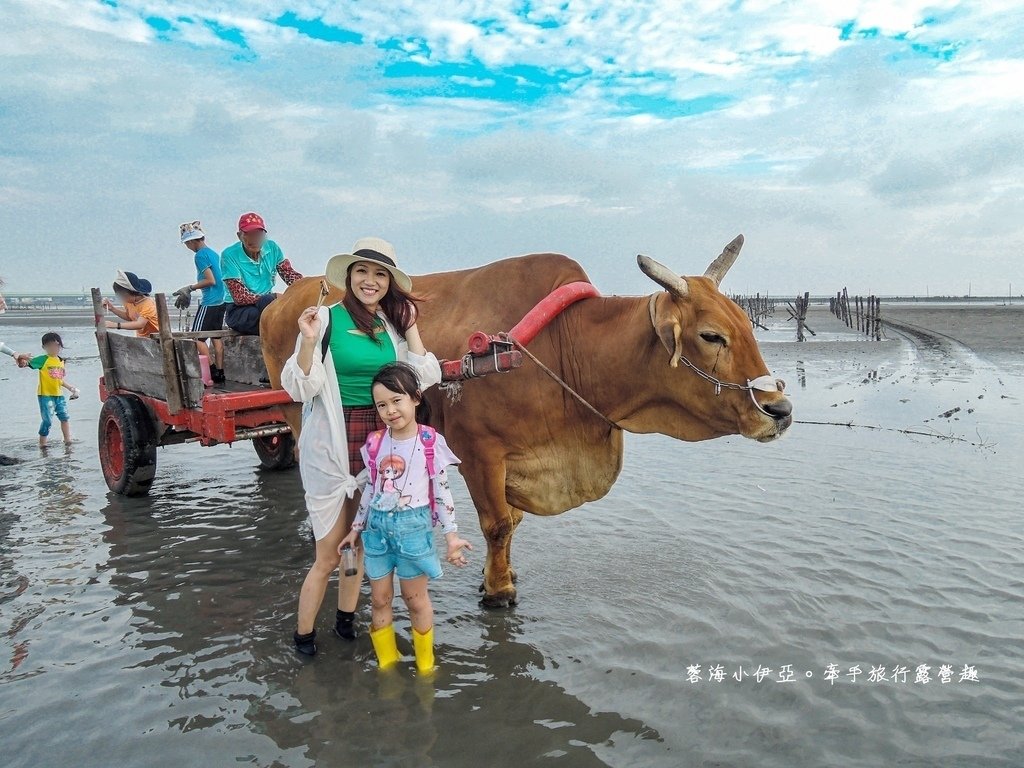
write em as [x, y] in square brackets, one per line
[58, 484]
[212, 592]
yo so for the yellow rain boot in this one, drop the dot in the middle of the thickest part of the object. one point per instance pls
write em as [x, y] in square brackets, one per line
[385, 646]
[423, 644]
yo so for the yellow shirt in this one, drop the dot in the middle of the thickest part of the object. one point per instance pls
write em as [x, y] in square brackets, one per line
[51, 374]
[145, 308]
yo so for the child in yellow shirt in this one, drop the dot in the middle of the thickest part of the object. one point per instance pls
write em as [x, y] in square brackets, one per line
[51, 380]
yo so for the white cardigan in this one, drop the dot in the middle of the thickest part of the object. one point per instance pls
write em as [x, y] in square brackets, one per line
[323, 443]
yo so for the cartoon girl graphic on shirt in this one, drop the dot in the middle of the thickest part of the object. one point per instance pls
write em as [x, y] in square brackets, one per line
[390, 497]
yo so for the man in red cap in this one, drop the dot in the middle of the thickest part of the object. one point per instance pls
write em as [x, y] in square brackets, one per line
[248, 268]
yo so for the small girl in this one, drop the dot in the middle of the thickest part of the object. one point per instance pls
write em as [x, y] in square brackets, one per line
[399, 505]
[51, 381]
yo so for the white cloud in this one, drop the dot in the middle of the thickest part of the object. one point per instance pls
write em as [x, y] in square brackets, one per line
[855, 161]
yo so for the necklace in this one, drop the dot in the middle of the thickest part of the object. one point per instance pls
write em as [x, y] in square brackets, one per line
[390, 499]
[406, 473]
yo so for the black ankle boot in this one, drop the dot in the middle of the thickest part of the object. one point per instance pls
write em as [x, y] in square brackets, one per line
[344, 625]
[306, 644]
[217, 374]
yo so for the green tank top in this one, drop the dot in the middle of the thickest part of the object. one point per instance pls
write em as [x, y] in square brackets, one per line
[357, 358]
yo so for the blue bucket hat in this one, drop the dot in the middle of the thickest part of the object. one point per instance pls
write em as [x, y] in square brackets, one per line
[132, 282]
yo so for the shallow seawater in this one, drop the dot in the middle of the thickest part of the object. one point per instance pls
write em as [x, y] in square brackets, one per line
[158, 631]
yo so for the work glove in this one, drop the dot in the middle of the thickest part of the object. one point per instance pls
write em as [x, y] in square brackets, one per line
[184, 297]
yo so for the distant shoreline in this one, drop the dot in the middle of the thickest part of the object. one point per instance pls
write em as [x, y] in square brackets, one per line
[74, 317]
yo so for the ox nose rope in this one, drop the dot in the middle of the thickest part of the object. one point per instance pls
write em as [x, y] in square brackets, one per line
[765, 383]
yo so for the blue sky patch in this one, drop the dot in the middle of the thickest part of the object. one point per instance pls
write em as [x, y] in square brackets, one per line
[231, 35]
[943, 51]
[317, 29]
[161, 26]
[849, 31]
[661, 105]
[521, 83]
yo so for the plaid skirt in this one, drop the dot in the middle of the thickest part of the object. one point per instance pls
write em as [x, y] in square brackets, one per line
[360, 421]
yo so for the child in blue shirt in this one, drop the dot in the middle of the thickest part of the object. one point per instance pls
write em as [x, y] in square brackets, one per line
[210, 316]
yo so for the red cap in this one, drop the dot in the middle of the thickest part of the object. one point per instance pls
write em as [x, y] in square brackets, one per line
[250, 221]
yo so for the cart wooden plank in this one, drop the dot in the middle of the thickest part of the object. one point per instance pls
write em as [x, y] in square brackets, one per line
[243, 360]
[175, 398]
[106, 358]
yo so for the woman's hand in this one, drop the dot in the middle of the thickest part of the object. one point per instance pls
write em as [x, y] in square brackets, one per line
[455, 546]
[349, 541]
[309, 323]
[107, 304]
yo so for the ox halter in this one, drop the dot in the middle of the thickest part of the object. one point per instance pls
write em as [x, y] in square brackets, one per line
[766, 383]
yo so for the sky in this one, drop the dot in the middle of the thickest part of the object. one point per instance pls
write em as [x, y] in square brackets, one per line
[874, 145]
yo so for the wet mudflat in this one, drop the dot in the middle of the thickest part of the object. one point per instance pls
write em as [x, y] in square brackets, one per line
[726, 604]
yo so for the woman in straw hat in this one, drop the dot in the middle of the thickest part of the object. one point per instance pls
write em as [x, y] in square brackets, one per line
[338, 351]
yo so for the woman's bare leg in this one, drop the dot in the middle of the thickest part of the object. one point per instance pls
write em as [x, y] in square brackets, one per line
[348, 586]
[315, 585]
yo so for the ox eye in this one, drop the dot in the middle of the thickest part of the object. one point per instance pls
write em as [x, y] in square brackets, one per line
[713, 338]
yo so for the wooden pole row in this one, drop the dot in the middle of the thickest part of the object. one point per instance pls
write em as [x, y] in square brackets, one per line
[865, 315]
[757, 307]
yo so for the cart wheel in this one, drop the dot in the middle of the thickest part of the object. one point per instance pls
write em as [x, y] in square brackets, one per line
[275, 451]
[127, 443]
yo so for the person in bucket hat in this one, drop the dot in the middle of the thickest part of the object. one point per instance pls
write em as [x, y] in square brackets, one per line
[210, 316]
[139, 311]
[250, 268]
[339, 350]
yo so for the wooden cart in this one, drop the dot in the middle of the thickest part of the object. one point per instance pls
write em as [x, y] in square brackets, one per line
[153, 395]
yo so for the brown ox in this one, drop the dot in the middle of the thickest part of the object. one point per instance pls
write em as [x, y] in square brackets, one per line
[526, 444]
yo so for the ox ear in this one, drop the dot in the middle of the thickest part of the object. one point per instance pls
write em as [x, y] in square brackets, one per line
[719, 267]
[663, 276]
[670, 334]
[669, 331]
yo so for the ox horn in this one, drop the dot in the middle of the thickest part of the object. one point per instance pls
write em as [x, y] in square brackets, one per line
[720, 266]
[663, 276]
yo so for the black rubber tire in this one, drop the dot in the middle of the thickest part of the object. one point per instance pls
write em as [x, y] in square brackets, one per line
[276, 452]
[127, 445]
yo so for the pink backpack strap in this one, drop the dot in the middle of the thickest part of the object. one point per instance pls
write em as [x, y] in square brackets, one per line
[373, 441]
[428, 437]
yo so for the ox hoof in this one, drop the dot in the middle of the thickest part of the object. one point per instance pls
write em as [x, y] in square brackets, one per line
[504, 599]
[514, 576]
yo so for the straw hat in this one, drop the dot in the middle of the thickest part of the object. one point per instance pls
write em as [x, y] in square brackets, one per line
[371, 249]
